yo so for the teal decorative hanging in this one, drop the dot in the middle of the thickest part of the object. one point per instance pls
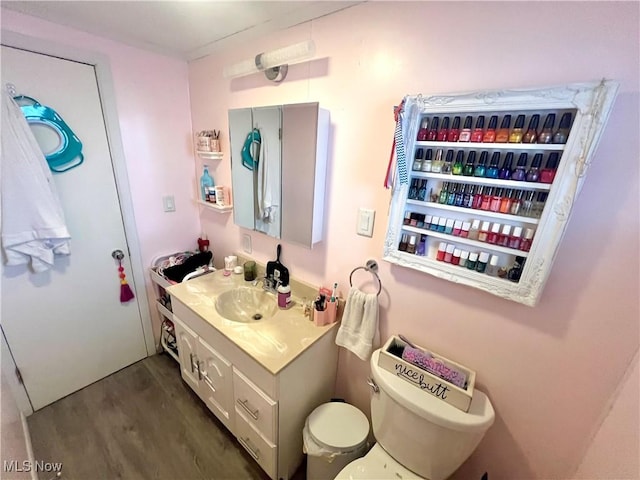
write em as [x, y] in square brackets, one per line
[247, 159]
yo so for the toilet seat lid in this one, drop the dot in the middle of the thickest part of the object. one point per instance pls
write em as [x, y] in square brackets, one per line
[338, 426]
[376, 465]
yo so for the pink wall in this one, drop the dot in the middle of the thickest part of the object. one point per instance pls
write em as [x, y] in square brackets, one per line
[550, 371]
[152, 99]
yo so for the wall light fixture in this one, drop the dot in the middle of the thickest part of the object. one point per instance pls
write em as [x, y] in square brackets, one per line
[274, 64]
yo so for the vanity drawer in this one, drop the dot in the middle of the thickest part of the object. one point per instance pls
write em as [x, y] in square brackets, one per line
[255, 405]
[262, 451]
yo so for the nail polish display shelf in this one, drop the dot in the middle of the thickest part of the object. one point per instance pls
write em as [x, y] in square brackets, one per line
[467, 241]
[476, 212]
[583, 110]
[557, 147]
[484, 181]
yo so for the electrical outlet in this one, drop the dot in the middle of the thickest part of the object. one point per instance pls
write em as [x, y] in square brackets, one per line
[246, 243]
[169, 203]
[366, 218]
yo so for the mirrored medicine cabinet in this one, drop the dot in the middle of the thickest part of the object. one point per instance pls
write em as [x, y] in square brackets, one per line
[489, 194]
[278, 170]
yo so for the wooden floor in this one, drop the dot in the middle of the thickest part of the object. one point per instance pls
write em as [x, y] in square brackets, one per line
[142, 422]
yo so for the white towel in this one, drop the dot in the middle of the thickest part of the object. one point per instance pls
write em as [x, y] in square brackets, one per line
[267, 185]
[359, 328]
[33, 225]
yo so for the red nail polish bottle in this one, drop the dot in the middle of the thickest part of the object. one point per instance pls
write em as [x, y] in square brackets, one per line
[478, 132]
[548, 173]
[433, 130]
[454, 131]
[444, 130]
[490, 135]
[465, 133]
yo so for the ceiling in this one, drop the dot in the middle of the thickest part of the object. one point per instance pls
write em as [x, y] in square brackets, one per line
[186, 29]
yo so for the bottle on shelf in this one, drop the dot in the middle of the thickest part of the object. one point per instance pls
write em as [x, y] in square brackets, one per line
[422, 190]
[481, 168]
[527, 204]
[487, 196]
[492, 237]
[505, 172]
[404, 240]
[492, 267]
[478, 131]
[444, 193]
[451, 198]
[473, 261]
[563, 129]
[433, 129]
[527, 240]
[465, 133]
[442, 248]
[423, 130]
[493, 169]
[533, 174]
[459, 200]
[538, 205]
[546, 135]
[503, 237]
[520, 173]
[447, 166]
[507, 200]
[444, 130]
[531, 135]
[548, 173]
[515, 238]
[516, 134]
[413, 189]
[417, 161]
[496, 199]
[464, 256]
[458, 166]
[436, 165]
[502, 135]
[467, 199]
[490, 134]
[483, 233]
[206, 181]
[483, 259]
[411, 246]
[469, 166]
[516, 203]
[477, 197]
[427, 162]
[454, 131]
[474, 230]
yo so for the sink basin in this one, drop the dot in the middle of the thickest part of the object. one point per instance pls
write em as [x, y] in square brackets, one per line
[246, 304]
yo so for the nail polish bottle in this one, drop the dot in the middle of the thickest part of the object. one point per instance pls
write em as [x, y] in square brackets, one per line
[492, 267]
[411, 246]
[519, 173]
[422, 246]
[538, 205]
[407, 218]
[534, 171]
[531, 135]
[467, 200]
[548, 173]
[483, 234]
[444, 130]
[427, 222]
[458, 166]
[436, 165]
[455, 260]
[493, 169]
[563, 129]
[413, 189]
[464, 256]
[434, 223]
[515, 239]
[464, 231]
[546, 135]
[490, 134]
[447, 166]
[502, 135]
[442, 248]
[516, 134]
[481, 168]
[426, 163]
[477, 197]
[492, 237]
[422, 190]
[424, 130]
[454, 131]
[465, 133]
[474, 231]
[448, 253]
[473, 261]
[433, 129]
[487, 196]
[483, 259]
[503, 237]
[507, 200]
[527, 204]
[403, 243]
[459, 200]
[457, 227]
[505, 172]
[420, 220]
[444, 193]
[442, 224]
[496, 199]
[515, 272]
[417, 162]
[453, 189]
[525, 244]
[469, 166]
[478, 131]
[516, 204]
[413, 220]
[448, 228]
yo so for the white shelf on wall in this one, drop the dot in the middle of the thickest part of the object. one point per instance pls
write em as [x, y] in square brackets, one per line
[210, 155]
[215, 207]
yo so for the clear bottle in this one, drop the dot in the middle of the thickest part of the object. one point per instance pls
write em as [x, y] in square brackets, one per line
[417, 161]
[527, 204]
[436, 165]
[427, 162]
[206, 181]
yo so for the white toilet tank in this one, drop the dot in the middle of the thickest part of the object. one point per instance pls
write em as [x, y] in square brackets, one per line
[426, 435]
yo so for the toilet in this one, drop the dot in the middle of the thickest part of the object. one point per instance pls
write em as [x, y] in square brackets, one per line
[418, 435]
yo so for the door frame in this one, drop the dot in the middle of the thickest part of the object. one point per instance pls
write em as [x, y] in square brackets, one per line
[110, 113]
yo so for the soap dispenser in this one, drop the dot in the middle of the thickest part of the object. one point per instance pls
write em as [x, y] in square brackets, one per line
[284, 295]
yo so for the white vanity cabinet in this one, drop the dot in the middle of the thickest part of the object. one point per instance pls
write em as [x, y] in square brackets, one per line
[264, 407]
[207, 372]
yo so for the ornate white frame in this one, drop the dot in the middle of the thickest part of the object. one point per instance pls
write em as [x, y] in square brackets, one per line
[593, 103]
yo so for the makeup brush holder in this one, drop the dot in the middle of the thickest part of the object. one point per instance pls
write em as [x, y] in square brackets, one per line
[326, 316]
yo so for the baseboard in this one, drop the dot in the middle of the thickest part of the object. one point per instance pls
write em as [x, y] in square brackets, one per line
[27, 441]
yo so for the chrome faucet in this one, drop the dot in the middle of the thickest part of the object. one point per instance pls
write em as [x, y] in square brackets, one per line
[268, 284]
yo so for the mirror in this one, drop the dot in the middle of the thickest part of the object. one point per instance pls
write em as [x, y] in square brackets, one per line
[278, 170]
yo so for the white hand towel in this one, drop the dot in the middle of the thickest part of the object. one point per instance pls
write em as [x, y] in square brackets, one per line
[359, 328]
[33, 225]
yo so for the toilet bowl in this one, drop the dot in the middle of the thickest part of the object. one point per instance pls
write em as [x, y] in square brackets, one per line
[418, 435]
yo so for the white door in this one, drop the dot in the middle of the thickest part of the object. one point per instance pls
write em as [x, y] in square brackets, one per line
[66, 328]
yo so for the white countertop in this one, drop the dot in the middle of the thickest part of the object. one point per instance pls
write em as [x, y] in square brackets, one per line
[273, 342]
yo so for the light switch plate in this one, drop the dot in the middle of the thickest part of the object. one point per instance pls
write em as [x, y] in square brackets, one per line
[366, 218]
[169, 203]
[246, 243]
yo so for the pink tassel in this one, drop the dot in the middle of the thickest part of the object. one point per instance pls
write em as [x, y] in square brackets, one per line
[126, 293]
